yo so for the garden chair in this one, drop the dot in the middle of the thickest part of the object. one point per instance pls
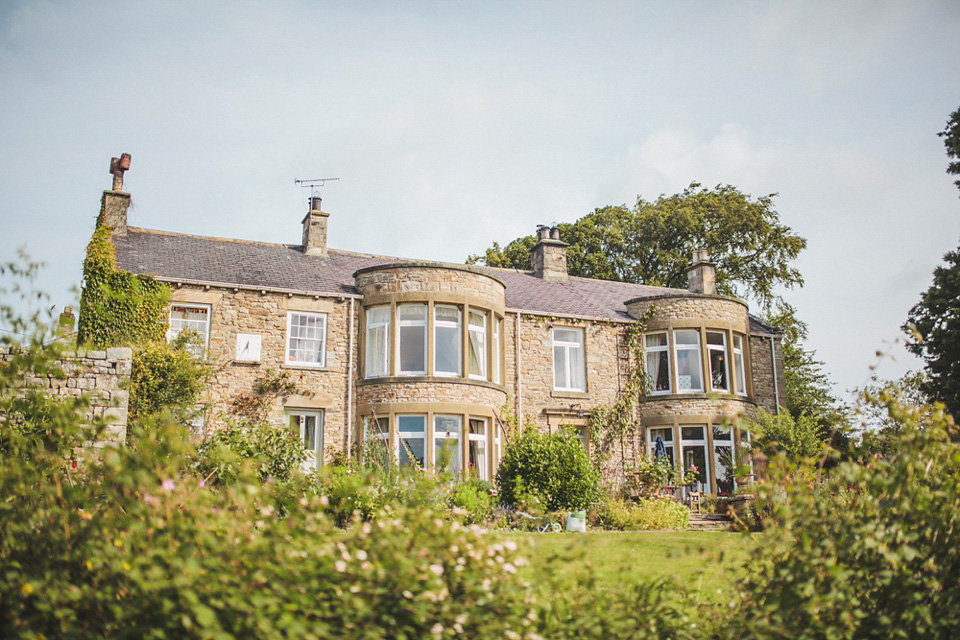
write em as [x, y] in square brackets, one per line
[694, 496]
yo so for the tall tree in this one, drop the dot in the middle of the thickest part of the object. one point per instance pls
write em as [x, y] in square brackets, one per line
[935, 322]
[651, 243]
[951, 140]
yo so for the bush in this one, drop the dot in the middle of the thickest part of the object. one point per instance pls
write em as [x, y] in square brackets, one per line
[274, 453]
[166, 377]
[645, 515]
[553, 467]
[798, 438]
[871, 551]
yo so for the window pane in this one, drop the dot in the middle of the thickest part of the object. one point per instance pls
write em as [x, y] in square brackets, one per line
[496, 350]
[447, 443]
[477, 348]
[411, 424]
[412, 313]
[413, 452]
[560, 368]
[577, 371]
[656, 340]
[658, 368]
[696, 455]
[738, 363]
[691, 433]
[721, 433]
[715, 338]
[376, 357]
[305, 338]
[666, 433]
[689, 377]
[413, 342]
[718, 370]
[687, 336]
[477, 449]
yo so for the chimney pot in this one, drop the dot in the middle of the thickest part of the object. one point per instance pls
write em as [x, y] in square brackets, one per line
[315, 203]
[549, 256]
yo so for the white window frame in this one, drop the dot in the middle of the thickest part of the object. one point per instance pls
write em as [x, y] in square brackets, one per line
[445, 434]
[401, 323]
[496, 349]
[411, 435]
[702, 444]
[176, 325]
[671, 444]
[722, 350]
[479, 333]
[369, 370]
[568, 347]
[483, 468]
[721, 443]
[655, 350]
[322, 340]
[312, 458]
[694, 346]
[738, 363]
[439, 324]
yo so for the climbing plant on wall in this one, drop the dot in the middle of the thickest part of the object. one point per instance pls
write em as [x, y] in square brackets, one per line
[118, 308]
[609, 424]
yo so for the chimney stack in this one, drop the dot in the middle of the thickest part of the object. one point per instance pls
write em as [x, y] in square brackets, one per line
[549, 255]
[315, 229]
[115, 201]
[702, 274]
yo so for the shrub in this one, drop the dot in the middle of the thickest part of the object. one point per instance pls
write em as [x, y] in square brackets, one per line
[473, 497]
[871, 551]
[275, 453]
[166, 377]
[645, 515]
[798, 438]
[553, 467]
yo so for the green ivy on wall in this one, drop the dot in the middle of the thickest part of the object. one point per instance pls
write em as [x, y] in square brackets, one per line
[118, 308]
[609, 424]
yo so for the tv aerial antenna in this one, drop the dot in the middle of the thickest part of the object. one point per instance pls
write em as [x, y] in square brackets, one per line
[314, 184]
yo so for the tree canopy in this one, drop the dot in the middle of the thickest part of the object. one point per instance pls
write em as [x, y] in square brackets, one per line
[936, 320]
[652, 243]
[951, 140]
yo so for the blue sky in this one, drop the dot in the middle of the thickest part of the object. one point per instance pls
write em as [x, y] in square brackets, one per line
[452, 125]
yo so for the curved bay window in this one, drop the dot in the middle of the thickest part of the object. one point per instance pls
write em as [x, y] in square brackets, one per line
[426, 339]
[695, 374]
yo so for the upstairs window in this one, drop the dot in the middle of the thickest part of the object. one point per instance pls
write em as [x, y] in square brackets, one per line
[717, 355]
[569, 373]
[657, 356]
[738, 364]
[447, 341]
[477, 449]
[413, 338]
[306, 338]
[477, 334]
[191, 317]
[378, 342]
[689, 370]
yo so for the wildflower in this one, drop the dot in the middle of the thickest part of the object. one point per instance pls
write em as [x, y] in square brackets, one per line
[436, 569]
[202, 484]
[509, 568]
[168, 485]
[27, 589]
[85, 514]
[89, 565]
[324, 501]
[361, 555]
[407, 594]
[126, 566]
[436, 629]
[340, 566]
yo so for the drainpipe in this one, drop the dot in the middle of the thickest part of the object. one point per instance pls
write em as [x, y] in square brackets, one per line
[516, 342]
[776, 388]
[350, 380]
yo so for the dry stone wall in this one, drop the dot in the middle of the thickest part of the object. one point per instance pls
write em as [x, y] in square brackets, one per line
[102, 376]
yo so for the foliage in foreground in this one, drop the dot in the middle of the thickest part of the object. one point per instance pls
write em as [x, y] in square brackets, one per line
[223, 455]
[873, 550]
[553, 469]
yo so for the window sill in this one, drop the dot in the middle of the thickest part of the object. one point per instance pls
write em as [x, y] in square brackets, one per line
[304, 366]
[564, 393]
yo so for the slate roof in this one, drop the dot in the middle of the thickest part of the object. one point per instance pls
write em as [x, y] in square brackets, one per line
[175, 256]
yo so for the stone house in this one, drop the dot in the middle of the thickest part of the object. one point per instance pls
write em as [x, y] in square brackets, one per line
[425, 356]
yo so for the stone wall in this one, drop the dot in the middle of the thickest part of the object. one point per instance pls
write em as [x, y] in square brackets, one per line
[763, 371]
[101, 375]
[265, 314]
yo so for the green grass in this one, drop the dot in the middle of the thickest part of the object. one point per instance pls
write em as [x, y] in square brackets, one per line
[707, 564]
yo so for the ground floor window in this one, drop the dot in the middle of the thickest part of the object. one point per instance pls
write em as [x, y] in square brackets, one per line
[724, 464]
[695, 454]
[658, 437]
[446, 434]
[308, 425]
[412, 441]
[712, 449]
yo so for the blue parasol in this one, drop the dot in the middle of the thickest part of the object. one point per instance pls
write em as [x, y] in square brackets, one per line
[659, 449]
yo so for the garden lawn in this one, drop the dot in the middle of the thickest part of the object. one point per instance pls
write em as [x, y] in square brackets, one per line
[706, 563]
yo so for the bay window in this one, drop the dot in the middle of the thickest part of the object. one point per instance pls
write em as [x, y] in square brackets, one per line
[724, 464]
[686, 343]
[412, 319]
[694, 443]
[717, 356]
[657, 436]
[569, 372]
[377, 362]
[496, 349]
[657, 356]
[447, 340]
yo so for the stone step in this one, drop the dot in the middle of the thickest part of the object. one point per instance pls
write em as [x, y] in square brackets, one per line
[709, 522]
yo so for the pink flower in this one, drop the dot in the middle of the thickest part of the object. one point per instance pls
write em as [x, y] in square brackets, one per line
[168, 485]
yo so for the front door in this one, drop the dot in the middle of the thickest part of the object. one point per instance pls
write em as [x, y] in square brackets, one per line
[309, 427]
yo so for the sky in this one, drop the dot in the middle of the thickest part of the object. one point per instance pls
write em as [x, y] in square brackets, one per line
[451, 125]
